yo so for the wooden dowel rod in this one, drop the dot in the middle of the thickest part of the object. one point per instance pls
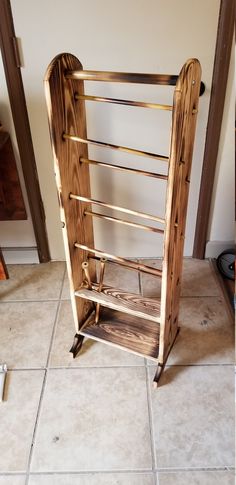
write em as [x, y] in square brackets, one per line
[127, 77]
[102, 270]
[122, 221]
[120, 209]
[85, 267]
[124, 262]
[126, 102]
[123, 77]
[141, 153]
[124, 169]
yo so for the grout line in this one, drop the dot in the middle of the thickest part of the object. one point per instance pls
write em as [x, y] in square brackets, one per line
[12, 474]
[53, 333]
[113, 366]
[43, 300]
[199, 296]
[35, 427]
[140, 289]
[118, 366]
[44, 384]
[197, 469]
[197, 365]
[151, 428]
[141, 471]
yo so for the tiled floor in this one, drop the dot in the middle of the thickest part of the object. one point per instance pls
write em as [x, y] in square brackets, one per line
[96, 420]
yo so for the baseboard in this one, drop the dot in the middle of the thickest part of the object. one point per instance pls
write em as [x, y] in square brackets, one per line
[29, 255]
[214, 248]
[20, 255]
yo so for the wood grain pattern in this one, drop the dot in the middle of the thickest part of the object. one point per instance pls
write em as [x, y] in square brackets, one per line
[66, 114]
[12, 205]
[225, 32]
[122, 261]
[123, 301]
[140, 325]
[120, 148]
[3, 268]
[125, 102]
[123, 77]
[22, 129]
[124, 331]
[122, 221]
[182, 139]
[121, 168]
[118, 208]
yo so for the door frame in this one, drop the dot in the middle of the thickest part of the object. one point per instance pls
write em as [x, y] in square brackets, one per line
[14, 82]
[216, 110]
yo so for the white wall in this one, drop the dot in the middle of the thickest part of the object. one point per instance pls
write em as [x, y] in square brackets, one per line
[133, 35]
[18, 234]
[221, 224]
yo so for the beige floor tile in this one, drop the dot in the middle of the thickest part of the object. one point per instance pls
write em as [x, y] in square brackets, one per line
[93, 419]
[17, 418]
[65, 294]
[206, 333]
[193, 414]
[115, 275]
[12, 480]
[121, 277]
[93, 479]
[33, 282]
[151, 285]
[25, 332]
[197, 279]
[92, 353]
[197, 478]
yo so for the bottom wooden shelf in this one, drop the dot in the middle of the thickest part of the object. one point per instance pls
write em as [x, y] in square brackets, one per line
[127, 332]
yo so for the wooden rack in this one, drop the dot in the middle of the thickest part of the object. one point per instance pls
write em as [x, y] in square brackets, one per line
[144, 326]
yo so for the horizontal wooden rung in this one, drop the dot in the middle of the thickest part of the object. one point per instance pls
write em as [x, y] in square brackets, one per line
[141, 153]
[122, 221]
[122, 301]
[123, 77]
[126, 102]
[126, 332]
[124, 169]
[122, 261]
[118, 208]
[127, 77]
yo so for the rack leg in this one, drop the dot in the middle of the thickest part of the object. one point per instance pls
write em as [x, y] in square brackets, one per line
[77, 344]
[161, 367]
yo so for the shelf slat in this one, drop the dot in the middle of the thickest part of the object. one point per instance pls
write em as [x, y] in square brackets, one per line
[123, 301]
[126, 332]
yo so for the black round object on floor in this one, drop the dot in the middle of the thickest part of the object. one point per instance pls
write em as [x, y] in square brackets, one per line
[225, 263]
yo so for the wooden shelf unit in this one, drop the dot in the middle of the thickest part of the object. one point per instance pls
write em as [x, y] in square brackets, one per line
[140, 325]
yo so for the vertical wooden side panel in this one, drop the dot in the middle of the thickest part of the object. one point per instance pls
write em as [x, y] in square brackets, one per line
[3, 269]
[66, 115]
[182, 140]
